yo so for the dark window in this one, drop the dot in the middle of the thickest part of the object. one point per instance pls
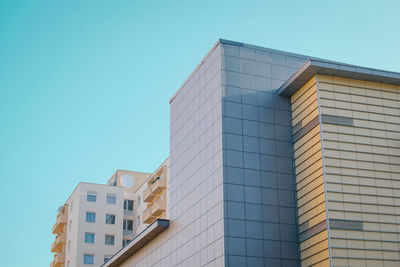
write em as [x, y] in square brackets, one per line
[128, 225]
[110, 219]
[128, 205]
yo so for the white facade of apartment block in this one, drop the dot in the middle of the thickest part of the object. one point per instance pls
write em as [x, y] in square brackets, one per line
[86, 233]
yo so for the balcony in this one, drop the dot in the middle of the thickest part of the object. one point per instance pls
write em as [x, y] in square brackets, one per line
[159, 185]
[59, 260]
[128, 232]
[159, 206]
[148, 195]
[58, 243]
[147, 216]
[154, 188]
[61, 221]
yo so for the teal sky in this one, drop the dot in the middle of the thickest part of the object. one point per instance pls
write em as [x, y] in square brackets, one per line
[85, 86]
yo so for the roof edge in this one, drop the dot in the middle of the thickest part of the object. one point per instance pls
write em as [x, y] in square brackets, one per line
[315, 66]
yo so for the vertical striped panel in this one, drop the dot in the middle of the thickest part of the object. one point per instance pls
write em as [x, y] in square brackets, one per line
[309, 176]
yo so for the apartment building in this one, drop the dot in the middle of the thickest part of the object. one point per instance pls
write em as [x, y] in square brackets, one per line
[97, 220]
[278, 159]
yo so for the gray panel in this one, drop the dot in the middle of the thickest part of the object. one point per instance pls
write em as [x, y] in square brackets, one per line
[236, 246]
[237, 261]
[251, 160]
[254, 247]
[251, 144]
[272, 249]
[270, 213]
[338, 120]
[253, 211]
[306, 232]
[307, 128]
[289, 250]
[255, 261]
[254, 229]
[346, 224]
[250, 128]
[252, 177]
[271, 231]
[236, 228]
[252, 194]
[235, 210]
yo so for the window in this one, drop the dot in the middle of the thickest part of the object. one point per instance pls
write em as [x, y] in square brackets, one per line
[109, 240]
[69, 245]
[91, 196]
[111, 199]
[90, 216]
[88, 258]
[89, 238]
[128, 206]
[107, 258]
[70, 226]
[128, 225]
[138, 201]
[138, 221]
[110, 219]
[125, 242]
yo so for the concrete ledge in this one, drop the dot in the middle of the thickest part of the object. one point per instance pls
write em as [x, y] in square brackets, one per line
[319, 66]
[138, 242]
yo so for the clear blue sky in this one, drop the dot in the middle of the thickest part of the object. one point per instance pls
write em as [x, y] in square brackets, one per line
[85, 85]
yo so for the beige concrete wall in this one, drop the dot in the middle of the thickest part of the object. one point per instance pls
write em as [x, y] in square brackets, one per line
[362, 163]
[309, 175]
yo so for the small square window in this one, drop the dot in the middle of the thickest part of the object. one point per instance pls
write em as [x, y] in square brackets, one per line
[128, 225]
[111, 199]
[89, 238]
[110, 219]
[90, 216]
[128, 205]
[91, 196]
[109, 240]
[88, 259]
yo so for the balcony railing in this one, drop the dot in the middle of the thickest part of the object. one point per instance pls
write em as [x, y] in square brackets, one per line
[60, 222]
[147, 216]
[148, 195]
[155, 188]
[59, 259]
[127, 232]
[158, 207]
[159, 185]
[58, 243]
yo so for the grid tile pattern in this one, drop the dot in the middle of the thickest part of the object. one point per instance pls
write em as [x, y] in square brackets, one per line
[195, 203]
[363, 170]
[259, 192]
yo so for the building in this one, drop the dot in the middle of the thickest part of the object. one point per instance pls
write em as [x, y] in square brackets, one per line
[278, 159]
[97, 220]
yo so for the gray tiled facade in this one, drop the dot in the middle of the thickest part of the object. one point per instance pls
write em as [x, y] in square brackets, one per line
[232, 188]
[231, 195]
[260, 227]
[196, 185]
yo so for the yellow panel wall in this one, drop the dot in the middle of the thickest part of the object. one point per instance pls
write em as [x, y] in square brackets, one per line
[362, 165]
[309, 176]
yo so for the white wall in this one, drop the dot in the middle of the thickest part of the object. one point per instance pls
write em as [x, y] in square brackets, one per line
[100, 228]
